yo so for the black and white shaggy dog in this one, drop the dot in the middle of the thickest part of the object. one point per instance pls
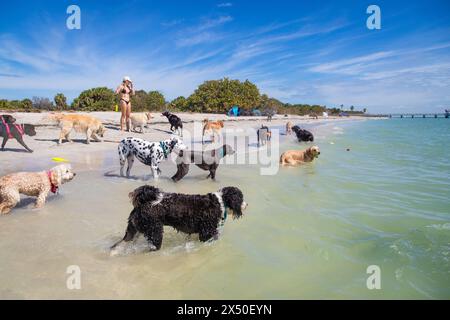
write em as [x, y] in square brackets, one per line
[188, 213]
[206, 160]
[149, 153]
[302, 134]
[175, 122]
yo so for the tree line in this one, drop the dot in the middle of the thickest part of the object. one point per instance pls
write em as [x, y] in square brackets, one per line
[213, 96]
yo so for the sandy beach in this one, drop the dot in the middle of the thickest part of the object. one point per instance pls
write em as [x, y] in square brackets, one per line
[44, 144]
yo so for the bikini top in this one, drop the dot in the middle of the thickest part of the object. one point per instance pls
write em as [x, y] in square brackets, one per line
[125, 91]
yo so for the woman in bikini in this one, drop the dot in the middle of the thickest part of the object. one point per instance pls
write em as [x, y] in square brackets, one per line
[125, 90]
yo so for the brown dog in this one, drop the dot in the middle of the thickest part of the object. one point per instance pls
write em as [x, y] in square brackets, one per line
[212, 126]
[288, 128]
[295, 157]
[80, 123]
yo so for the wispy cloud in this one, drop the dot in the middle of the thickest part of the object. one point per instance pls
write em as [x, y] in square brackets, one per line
[10, 75]
[204, 32]
[342, 66]
[200, 38]
[172, 23]
[225, 5]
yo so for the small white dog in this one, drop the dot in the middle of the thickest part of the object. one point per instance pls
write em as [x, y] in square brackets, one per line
[34, 184]
[140, 120]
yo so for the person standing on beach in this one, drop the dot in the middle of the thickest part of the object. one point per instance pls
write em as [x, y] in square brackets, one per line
[125, 90]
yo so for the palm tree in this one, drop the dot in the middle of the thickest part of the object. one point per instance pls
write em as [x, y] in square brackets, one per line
[60, 101]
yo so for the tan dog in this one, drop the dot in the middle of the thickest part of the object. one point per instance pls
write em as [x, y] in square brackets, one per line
[295, 157]
[288, 128]
[212, 126]
[80, 123]
[34, 184]
[140, 120]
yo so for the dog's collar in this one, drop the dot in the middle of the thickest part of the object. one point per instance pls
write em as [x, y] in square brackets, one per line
[223, 209]
[54, 187]
[164, 148]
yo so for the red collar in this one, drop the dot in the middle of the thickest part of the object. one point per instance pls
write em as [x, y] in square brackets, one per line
[54, 188]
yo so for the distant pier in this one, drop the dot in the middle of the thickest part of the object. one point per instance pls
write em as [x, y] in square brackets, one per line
[420, 115]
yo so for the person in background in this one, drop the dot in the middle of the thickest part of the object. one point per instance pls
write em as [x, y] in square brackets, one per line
[125, 91]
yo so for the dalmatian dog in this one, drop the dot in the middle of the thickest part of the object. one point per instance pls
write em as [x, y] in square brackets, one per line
[149, 153]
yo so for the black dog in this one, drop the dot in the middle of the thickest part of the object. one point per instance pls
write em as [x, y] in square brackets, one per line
[207, 160]
[201, 214]
[9, 131]
[175, 121]
[6, 118]
[303, 135]
[264, 134]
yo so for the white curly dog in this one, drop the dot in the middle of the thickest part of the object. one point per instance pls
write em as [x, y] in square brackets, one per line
[34, 184]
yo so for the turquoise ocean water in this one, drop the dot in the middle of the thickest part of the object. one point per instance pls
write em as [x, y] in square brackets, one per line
[309, 232]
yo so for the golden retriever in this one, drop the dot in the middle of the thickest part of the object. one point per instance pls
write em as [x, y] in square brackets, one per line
[212, 126]
[140, 120]
[34, 184]
[80, 123]
[295, 157]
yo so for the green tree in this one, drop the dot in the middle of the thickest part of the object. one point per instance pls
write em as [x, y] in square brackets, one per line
[4, 104]
[364, 110]
[220, 95]
[352, 108]
[139, 101]
[95, 99]
[60, 101]
[180, 103]
[27, 105]
[155, 100]
[271, 105]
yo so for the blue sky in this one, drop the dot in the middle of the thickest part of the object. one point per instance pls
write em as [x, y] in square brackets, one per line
[296, 51]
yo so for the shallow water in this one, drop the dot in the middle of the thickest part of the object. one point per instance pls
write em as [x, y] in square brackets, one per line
[309, 232]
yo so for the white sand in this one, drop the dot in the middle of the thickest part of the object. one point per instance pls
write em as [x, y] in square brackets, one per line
[44, 143]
